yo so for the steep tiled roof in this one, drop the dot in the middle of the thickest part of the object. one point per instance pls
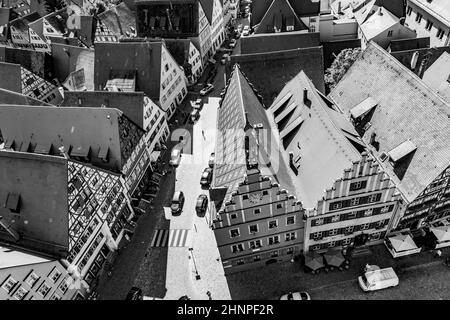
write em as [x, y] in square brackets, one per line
[130, 103]
[239, 113]
[315, 134]
[77, 129]
[208, 6]
[407, 110]
[179, 49]
[11, 97]
[279, 14]
[377, 23]
[271, 42]
[438, 76]
[302, 8]
[142, 56]
[41, 182]
[282, 66]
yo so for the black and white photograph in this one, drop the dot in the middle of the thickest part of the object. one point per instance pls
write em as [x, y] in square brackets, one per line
[225, 150]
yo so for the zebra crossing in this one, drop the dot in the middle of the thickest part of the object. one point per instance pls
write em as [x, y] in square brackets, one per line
[170, 238]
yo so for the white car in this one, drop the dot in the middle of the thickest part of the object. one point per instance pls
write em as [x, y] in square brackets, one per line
[246, 31]
[175, 157]
[296, 296]
[209, 87]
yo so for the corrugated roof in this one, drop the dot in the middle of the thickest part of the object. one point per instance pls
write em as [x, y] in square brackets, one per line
[321, 151]
[407, 109]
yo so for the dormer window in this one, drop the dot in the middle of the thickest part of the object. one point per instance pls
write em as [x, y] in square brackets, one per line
[401, 151]
[13, 202]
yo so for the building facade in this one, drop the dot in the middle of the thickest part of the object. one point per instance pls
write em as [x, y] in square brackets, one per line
[356, 210]
[259, 225]
[430, 19]
[217, 26]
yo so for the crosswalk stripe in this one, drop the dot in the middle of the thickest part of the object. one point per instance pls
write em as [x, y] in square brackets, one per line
[170, 238]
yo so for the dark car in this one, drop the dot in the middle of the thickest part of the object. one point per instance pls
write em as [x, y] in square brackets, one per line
[205, 181]
[134, 294]
[195, 115]
[201, 205]
[177, 203]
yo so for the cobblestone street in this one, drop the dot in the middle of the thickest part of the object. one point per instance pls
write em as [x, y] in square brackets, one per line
[270, 282]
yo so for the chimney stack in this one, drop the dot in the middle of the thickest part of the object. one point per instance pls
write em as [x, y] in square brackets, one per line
[305, 95]
[380, 12]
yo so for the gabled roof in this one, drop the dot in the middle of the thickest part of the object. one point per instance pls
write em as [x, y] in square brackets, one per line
[279, 14]
[407, 110]
[437, 76]
[77, 129]
[239, 113]
[378, 23]
[145, 57]
[208, 6]
[302, 8]
[270, 42]
[440, 9]
[41, 182]
[130, 103]
[11, 97]
[282, 66]
[315, 134]
[179, 49]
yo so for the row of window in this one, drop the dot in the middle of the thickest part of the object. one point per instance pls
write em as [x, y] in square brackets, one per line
[348, 230]
[31, 279]
[355, 201]
[352, 215]
[257, 257]
[254, 228]
[255, 244]
[344, 242]
[440, 33]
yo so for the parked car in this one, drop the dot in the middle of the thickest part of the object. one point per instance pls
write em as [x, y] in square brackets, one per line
[224, 58]
[177, 203]
[239, 28]
[207, 89]
[201, 205]
[375, 278]
[212, 158]
[246, 31]
[195, 115]
[296, 296]
[206, 178]
[175, 157]
[134, 294]
[198, 104]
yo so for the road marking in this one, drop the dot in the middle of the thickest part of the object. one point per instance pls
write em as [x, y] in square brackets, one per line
[170, 238]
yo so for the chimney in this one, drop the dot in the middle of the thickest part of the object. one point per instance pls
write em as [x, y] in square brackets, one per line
[380, 12]
[305, 95]
[291, 158]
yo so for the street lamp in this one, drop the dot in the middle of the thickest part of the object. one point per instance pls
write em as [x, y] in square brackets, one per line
[197, 276]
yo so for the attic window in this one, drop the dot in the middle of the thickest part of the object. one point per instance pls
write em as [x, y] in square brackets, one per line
[13, 202]
[402, 150]
[81, 152]
[9, 144]
[43, 148]
[103, 153]
[363, 108]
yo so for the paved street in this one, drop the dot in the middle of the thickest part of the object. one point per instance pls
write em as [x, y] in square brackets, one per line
[414, 272]
[163, 268]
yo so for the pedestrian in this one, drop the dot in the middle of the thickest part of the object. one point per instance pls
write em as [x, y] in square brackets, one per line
[209, 295]
[203, 134]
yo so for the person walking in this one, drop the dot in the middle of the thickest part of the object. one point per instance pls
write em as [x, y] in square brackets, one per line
[209, 295]
[203, 134]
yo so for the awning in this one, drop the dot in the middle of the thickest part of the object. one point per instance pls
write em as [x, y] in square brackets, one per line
[334, 258]
[154, 156]
[402, 243]
[441, 233]
[362, 108]
[313, 261]
[402, 150]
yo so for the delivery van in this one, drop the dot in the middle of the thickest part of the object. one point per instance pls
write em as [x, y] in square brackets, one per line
[376, 279]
